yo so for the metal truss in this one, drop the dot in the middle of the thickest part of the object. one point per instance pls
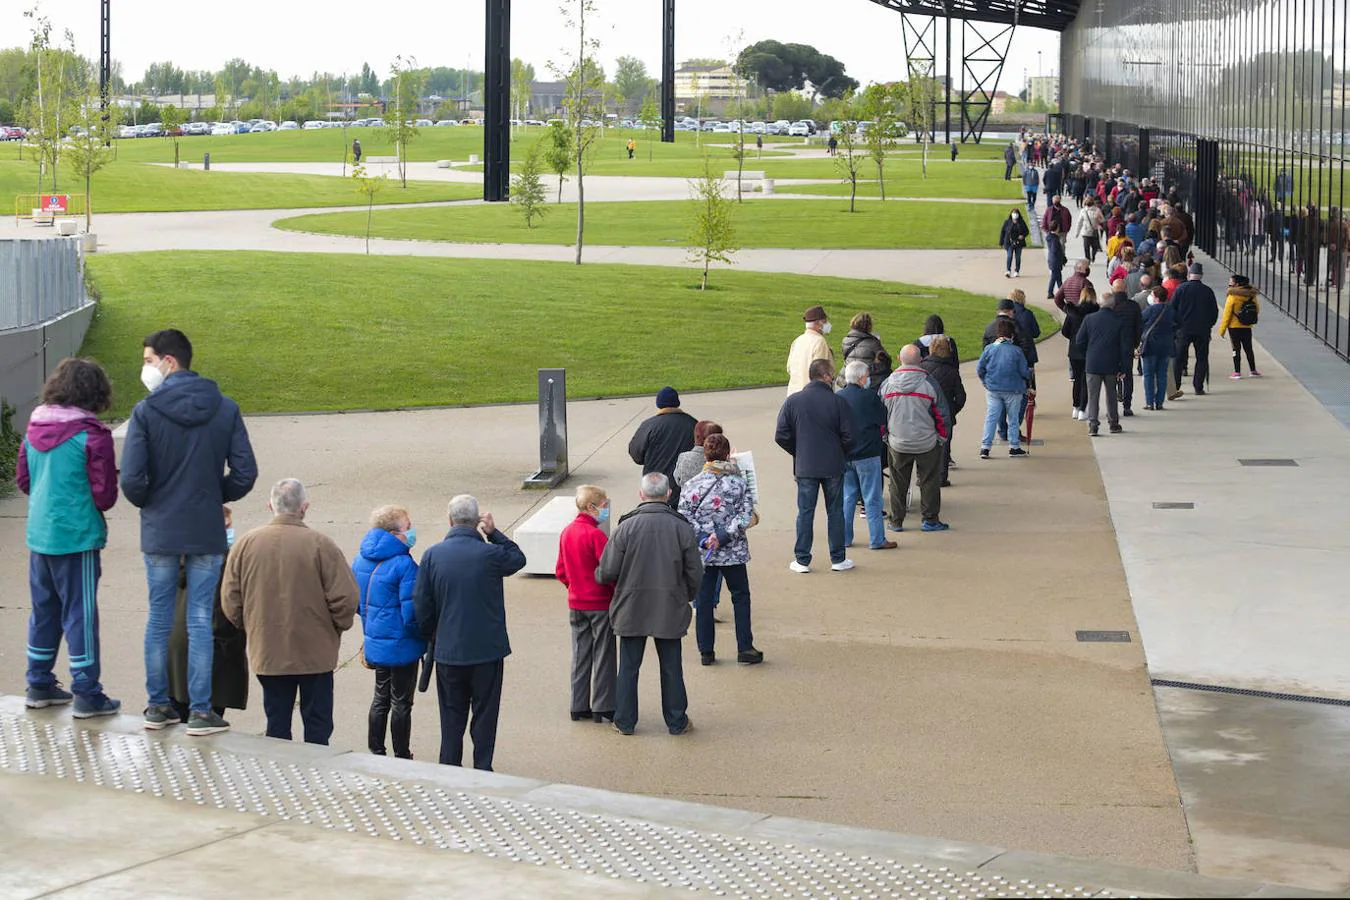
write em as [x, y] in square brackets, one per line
[920, 37]
[984, 48]
[1055, 15]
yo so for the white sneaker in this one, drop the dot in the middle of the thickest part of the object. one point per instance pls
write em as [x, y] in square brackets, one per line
[842, 566]
[1079, 414]
[798, 567]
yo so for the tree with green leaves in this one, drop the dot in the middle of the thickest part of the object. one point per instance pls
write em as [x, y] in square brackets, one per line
[851, 153]
[59, 76]
[790, 105]
[527, 188]
[881, 134]
[920, 96]
[713, 235]
[91, 147]
[402, 110]
[370, 185]
[649, 118]
[775, 66]
[522, 74]
[630, 78]
[172, 118]
[558, 152]
[583, 98]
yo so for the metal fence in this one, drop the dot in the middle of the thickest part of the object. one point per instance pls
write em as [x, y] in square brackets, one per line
[40, 280]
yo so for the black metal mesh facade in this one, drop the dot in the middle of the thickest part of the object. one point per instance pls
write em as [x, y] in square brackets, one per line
[1243, 104]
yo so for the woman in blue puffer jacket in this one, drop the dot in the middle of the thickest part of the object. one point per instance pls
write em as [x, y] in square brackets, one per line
[386, 573]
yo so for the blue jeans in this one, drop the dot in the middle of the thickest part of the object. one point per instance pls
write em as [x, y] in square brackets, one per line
[806, 516]
[738, 582]
[1013, 254]
[863, 476]
[1003, 407]
[161, 574]
[1155, 378]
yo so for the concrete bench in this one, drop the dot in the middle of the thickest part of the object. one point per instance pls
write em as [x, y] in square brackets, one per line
[442, 163]
[750, 181]
[538, 535]
[380, 160]
[67, 227]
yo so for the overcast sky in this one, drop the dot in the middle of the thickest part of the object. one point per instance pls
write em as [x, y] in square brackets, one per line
[298, 38]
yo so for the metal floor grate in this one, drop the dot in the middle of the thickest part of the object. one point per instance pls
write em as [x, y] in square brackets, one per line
[608, 846]
[1248, 692]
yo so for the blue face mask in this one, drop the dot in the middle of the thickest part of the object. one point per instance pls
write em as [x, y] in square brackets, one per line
[411, 535]
[603, 514]
[229, 537]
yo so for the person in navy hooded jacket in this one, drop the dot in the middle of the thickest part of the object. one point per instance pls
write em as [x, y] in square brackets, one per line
[386, 574]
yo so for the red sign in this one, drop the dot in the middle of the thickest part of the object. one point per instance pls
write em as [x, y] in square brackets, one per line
[55, 204]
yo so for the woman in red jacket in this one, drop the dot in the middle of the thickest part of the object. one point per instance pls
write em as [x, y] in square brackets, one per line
[594, 663]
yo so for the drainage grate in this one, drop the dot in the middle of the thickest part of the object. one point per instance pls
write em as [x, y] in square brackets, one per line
[1248, 692]
[1103, 637]
[1173, 504]
[1267, 462]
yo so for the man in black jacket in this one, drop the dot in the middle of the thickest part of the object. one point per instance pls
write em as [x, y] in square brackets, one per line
[180, 442]
[1102, 340]
[862, 471]
[661, 439]
[816, 427]
[1195, 310]
[1132, 325]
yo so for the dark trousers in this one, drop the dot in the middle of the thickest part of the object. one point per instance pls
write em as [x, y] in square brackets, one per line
[1056, 280]
[929, 466]
[1007, 171]
[1127, 390]
[394, 689]
[1241, 339]
[1201, 371]
[593, 660]
[64, 591]
[462, 690]
[316, 705]
[738, 583]
[807, 493]
[674, 700]
[1078, 375]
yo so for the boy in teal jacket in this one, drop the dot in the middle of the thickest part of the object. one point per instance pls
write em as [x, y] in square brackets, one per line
[67, 468]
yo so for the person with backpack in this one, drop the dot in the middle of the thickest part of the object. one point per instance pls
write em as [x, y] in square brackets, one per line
[1240, 313]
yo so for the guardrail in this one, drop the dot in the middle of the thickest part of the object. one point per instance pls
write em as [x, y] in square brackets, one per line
[45, 209]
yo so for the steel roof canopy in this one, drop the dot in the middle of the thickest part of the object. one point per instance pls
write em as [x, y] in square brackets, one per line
[1055, 15]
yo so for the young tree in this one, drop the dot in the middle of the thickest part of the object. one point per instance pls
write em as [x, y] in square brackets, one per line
[370, 186]
[920, 96]
[558, 154]
[713, 236]
[406, 86]
[882, 133]
[522, 74]
[172, 118]
[91, 148]
[58, 76]
[649, 117]
[850, 156]
[583, 98]
[527, 188]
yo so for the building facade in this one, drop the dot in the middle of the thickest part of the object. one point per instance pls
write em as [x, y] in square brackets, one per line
[1243, 106]
[708, 82]
[1044, 89]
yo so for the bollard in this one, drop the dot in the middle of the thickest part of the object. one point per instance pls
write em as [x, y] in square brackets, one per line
[552, 430]
[206, 163]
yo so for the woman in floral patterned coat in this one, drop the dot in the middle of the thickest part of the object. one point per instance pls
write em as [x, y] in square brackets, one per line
[717, 504]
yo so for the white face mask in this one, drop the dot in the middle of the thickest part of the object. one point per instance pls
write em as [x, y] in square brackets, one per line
[151, 376]
[826, 328]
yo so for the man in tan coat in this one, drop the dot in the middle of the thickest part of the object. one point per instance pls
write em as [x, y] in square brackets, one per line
[809, 346]
[293, 593]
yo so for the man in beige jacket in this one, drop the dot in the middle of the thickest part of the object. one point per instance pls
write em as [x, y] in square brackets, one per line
[293, 593]
[809, 346]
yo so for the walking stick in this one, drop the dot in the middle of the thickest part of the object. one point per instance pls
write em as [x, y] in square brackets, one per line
[1031, 411]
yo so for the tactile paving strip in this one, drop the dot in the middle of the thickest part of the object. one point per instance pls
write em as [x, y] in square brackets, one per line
[679, 858]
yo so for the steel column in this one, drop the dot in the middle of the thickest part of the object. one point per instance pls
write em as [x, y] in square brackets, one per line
[668, 71]
[1207, 201]
[919, 34]
[982, 66]
[105, 57]
[497, 103]
[947, 88]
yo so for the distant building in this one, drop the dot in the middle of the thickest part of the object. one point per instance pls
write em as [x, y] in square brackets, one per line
[546, 98]
[998, 104]
[1044, 89]
[712, 82]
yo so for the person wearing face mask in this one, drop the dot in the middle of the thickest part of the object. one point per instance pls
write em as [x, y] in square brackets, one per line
[594, 656]
[1012, 238]
[229, 658]
[187, 453]
[808, 347]
[385, 575]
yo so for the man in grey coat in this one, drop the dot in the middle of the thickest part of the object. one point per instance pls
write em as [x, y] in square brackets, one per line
[653, 561]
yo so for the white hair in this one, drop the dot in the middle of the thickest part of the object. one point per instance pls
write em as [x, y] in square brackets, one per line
[463, 509]
[655, 486]
[288, 497]
[1106, 300]
[856, 372]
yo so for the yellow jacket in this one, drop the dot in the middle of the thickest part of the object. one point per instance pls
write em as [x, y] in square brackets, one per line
[1236, 297]
[809, 346]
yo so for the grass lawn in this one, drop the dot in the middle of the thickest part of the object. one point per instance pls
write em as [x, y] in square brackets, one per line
[823, 224]
[286, 332]
[942, 181]
[132, 187]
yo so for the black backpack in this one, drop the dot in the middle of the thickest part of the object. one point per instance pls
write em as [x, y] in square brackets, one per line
[1248, 312]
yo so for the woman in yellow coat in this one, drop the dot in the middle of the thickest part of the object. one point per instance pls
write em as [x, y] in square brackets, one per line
[1239, 315]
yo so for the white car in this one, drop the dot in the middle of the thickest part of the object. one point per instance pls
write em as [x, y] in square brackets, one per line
[288, 126]
[221, 128]
[313, 124]
[798, 129]
[422, 123]
[447, 123]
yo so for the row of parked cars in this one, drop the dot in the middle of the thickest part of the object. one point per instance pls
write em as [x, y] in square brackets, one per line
[801, 128]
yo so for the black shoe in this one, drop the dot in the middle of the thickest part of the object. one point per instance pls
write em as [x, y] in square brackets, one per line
[751, 657]
[1128, 412]
[1092, 431]
[604, 716]
[1116, 429]
[945, 484]
[1199, 392]
[580, 714]
[707, 657]
[1018, 451]
[984, 453]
